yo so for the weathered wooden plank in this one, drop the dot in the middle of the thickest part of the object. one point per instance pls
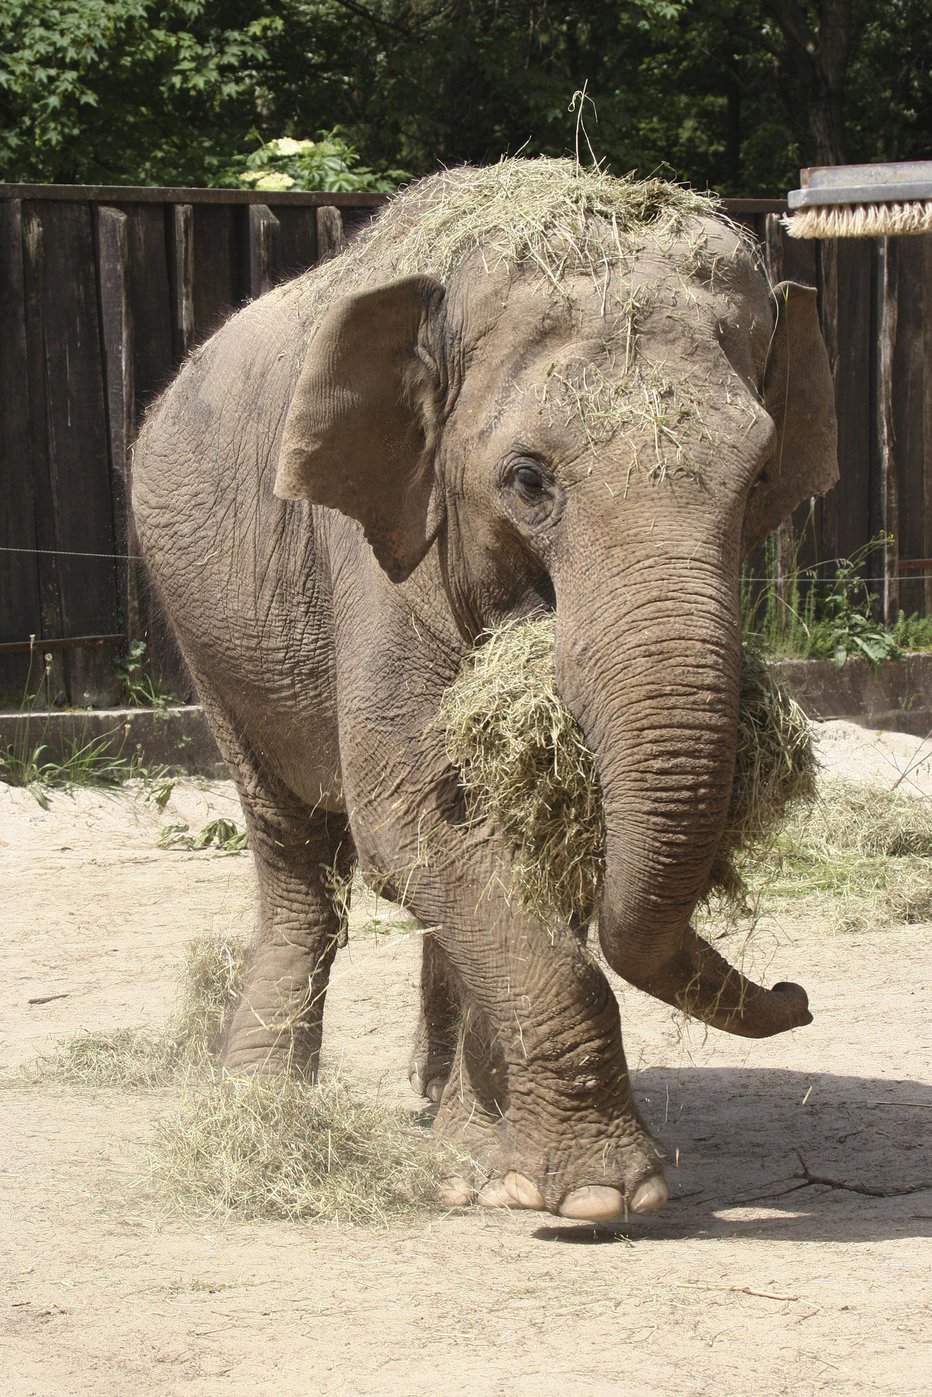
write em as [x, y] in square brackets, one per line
[78, 450]
[298, 240]
[927, 418]
[264, 249]
[331, 238]
[21, 612]
[181, 194]
[45, 539]
[118, 340]
[909, 374]
[846, 321]
[221, 259]
[885, 477]
[151, 295]
[182, 268]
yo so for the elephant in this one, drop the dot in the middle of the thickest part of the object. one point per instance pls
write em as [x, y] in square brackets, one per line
[527, 387]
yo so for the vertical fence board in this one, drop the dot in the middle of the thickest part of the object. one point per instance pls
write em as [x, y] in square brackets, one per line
[846, 321]
[182, 275]
[78, 449]
[46, 540]
[331, 236]
[907, 407]
[885, 501]
[118, 337]
[298, 240]
[21, 614]
[155, 299]
[264, 249]
[222, 261]
[926, 350]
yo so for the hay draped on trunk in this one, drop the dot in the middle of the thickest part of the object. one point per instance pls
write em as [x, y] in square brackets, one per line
[525, 768]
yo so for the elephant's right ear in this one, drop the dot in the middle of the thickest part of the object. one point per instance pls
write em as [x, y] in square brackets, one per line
[800, 399]
[362, 429]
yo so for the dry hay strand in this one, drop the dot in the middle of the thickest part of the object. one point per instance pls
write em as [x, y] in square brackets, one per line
[552, 214]
[860, 858]
[209, 983]
[554, 219]
[283, 1148]
[525, 768]
[549, 216]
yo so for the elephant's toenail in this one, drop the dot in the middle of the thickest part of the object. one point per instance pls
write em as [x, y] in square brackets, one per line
[650, 1196]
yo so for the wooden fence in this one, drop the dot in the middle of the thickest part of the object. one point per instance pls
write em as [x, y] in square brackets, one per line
[103, 292]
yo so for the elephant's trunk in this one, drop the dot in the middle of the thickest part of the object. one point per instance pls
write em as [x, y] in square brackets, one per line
[658, 702]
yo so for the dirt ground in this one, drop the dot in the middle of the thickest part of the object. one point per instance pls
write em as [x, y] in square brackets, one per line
[794, 1256]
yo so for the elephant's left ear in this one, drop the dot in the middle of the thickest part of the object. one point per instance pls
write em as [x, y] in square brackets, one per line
[799, 396]
[362, 429]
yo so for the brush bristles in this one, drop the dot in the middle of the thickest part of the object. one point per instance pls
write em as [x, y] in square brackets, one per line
[860, 221]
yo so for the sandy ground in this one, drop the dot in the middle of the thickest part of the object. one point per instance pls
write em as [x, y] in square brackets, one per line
[752, 1281]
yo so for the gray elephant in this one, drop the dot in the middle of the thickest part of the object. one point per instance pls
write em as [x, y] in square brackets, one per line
[528, 386]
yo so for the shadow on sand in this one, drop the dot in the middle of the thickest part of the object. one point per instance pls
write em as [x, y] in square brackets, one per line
[809, 1157]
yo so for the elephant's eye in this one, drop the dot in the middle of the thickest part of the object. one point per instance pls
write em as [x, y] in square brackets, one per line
[530, 480]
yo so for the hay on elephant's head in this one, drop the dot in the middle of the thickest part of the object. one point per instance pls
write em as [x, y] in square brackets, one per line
[545, 216]
[526, 769]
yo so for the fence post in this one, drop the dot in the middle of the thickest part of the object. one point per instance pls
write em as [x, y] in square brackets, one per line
[331, 236]
[264, 248]
[118, 334]
[886, 455]
[785, 540]
[183, 277]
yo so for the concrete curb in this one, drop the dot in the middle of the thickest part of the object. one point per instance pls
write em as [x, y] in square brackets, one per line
[177, 737]
[897, 697]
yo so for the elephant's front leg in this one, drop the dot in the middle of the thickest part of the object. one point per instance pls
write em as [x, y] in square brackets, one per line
[539, 1093]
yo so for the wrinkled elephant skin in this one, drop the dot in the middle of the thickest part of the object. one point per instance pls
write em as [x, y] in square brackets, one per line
[345, 486]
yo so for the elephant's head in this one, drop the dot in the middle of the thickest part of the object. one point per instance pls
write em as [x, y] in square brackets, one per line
[609, 435]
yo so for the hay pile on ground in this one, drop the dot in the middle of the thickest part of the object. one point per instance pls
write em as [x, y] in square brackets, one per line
[860, 859]
[261, 1147]
[280, 1148]
[525, 767]
[209, 982]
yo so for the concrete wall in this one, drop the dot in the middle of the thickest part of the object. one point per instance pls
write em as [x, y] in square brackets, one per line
[896, 696]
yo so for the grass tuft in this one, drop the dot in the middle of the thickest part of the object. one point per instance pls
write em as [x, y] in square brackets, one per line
[209, 985]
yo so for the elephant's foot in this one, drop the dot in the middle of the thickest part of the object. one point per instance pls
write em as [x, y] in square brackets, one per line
[432, 1059]
[599, 1184]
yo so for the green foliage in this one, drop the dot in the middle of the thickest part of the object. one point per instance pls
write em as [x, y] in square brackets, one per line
[913, 632]
[139, 688]
[222, 835]
[80, 763]
[730, 93]
[812, 617]
[329, 163]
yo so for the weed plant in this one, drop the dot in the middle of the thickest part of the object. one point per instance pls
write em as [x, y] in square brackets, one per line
[814, 617]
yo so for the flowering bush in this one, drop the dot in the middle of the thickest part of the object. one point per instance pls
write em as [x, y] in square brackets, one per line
[329, 163]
